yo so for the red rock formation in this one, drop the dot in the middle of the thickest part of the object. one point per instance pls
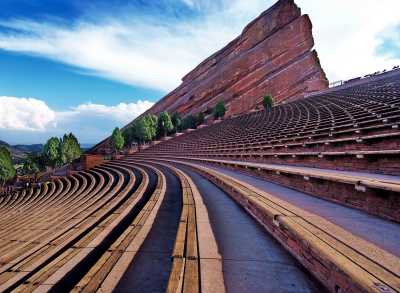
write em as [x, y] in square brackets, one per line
[273, 55]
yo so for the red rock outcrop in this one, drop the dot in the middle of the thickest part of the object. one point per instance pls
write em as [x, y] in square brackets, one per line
[273, 55]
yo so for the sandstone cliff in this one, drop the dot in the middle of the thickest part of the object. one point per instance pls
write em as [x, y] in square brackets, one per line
[273, 55]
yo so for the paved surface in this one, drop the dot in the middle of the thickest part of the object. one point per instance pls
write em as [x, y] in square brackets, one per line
[149, 272]
[383, 233]
[253, 261]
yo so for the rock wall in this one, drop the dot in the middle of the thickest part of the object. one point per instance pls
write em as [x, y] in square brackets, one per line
[273, 55]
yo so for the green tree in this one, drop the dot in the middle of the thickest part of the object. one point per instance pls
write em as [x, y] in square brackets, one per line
[7, 170]
[34, 163]
[268, 101]
[151, 122]
[145, 128]
[52, 151]
[200, 118]
[117, 139]
[165, 125]
[129, 134]
[189, 122]
[70, 148]
[176, 121]
[219, 110]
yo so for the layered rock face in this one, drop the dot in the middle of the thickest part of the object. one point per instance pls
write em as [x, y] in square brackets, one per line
[273, 55]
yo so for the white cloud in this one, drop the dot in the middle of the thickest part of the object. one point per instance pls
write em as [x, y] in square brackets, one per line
[348, 33]
[30, 119]
[122, 113]
[142, 51]
[25, 114]
[145, 51]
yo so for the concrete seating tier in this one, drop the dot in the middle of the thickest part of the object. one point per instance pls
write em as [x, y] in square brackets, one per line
[356, 128]
[344, 258]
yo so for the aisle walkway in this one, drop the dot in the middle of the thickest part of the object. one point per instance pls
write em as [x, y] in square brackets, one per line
[253, 261]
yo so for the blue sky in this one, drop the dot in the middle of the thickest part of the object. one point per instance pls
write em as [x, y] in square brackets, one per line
[88, 66]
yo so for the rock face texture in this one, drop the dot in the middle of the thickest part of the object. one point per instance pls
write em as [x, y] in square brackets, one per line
[273, 55]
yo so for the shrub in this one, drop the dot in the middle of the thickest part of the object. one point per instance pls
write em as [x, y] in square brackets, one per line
[268, 102]
[189, 122]
[34, 163]
[219, 110]
[200, 118]
[176, 122]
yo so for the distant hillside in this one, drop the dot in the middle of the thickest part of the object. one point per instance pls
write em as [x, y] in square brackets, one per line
[20, 151]
[29, 148]
[3, 143]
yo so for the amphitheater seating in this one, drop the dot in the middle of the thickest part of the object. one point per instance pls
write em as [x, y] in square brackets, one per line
[84, 231]
[351, 129]
[83, 228]
[354, 129]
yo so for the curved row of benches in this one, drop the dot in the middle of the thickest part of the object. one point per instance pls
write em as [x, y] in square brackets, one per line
[80, 233]
[341, 146]
[355, 128]
[84, 232]
[342, 261]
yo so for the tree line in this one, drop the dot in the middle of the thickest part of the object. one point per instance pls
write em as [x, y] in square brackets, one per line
[56, 152]
[150, 127]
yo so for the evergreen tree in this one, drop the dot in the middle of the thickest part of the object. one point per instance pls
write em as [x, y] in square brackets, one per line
[165, 125]
[70, 149]
[151, 125]
[145, 128]
[200, 118]
[117, 139]
[52, 151]
[219, 110]
[34, 163]
[7, 170]
[177, 122]
[267, 102]
[189, 122]
[129, 134]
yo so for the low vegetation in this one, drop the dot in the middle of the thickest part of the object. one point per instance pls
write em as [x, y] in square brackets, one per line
[7, 170]
[56, 152]
[150, 127]
[189, 122]
[219, 110]
[268, 102]
[117, 139]
[165, 125]
[176, 122]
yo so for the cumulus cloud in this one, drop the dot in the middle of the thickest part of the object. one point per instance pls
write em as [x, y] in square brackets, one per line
[29, 119]
[122, 113]
[25, 114]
